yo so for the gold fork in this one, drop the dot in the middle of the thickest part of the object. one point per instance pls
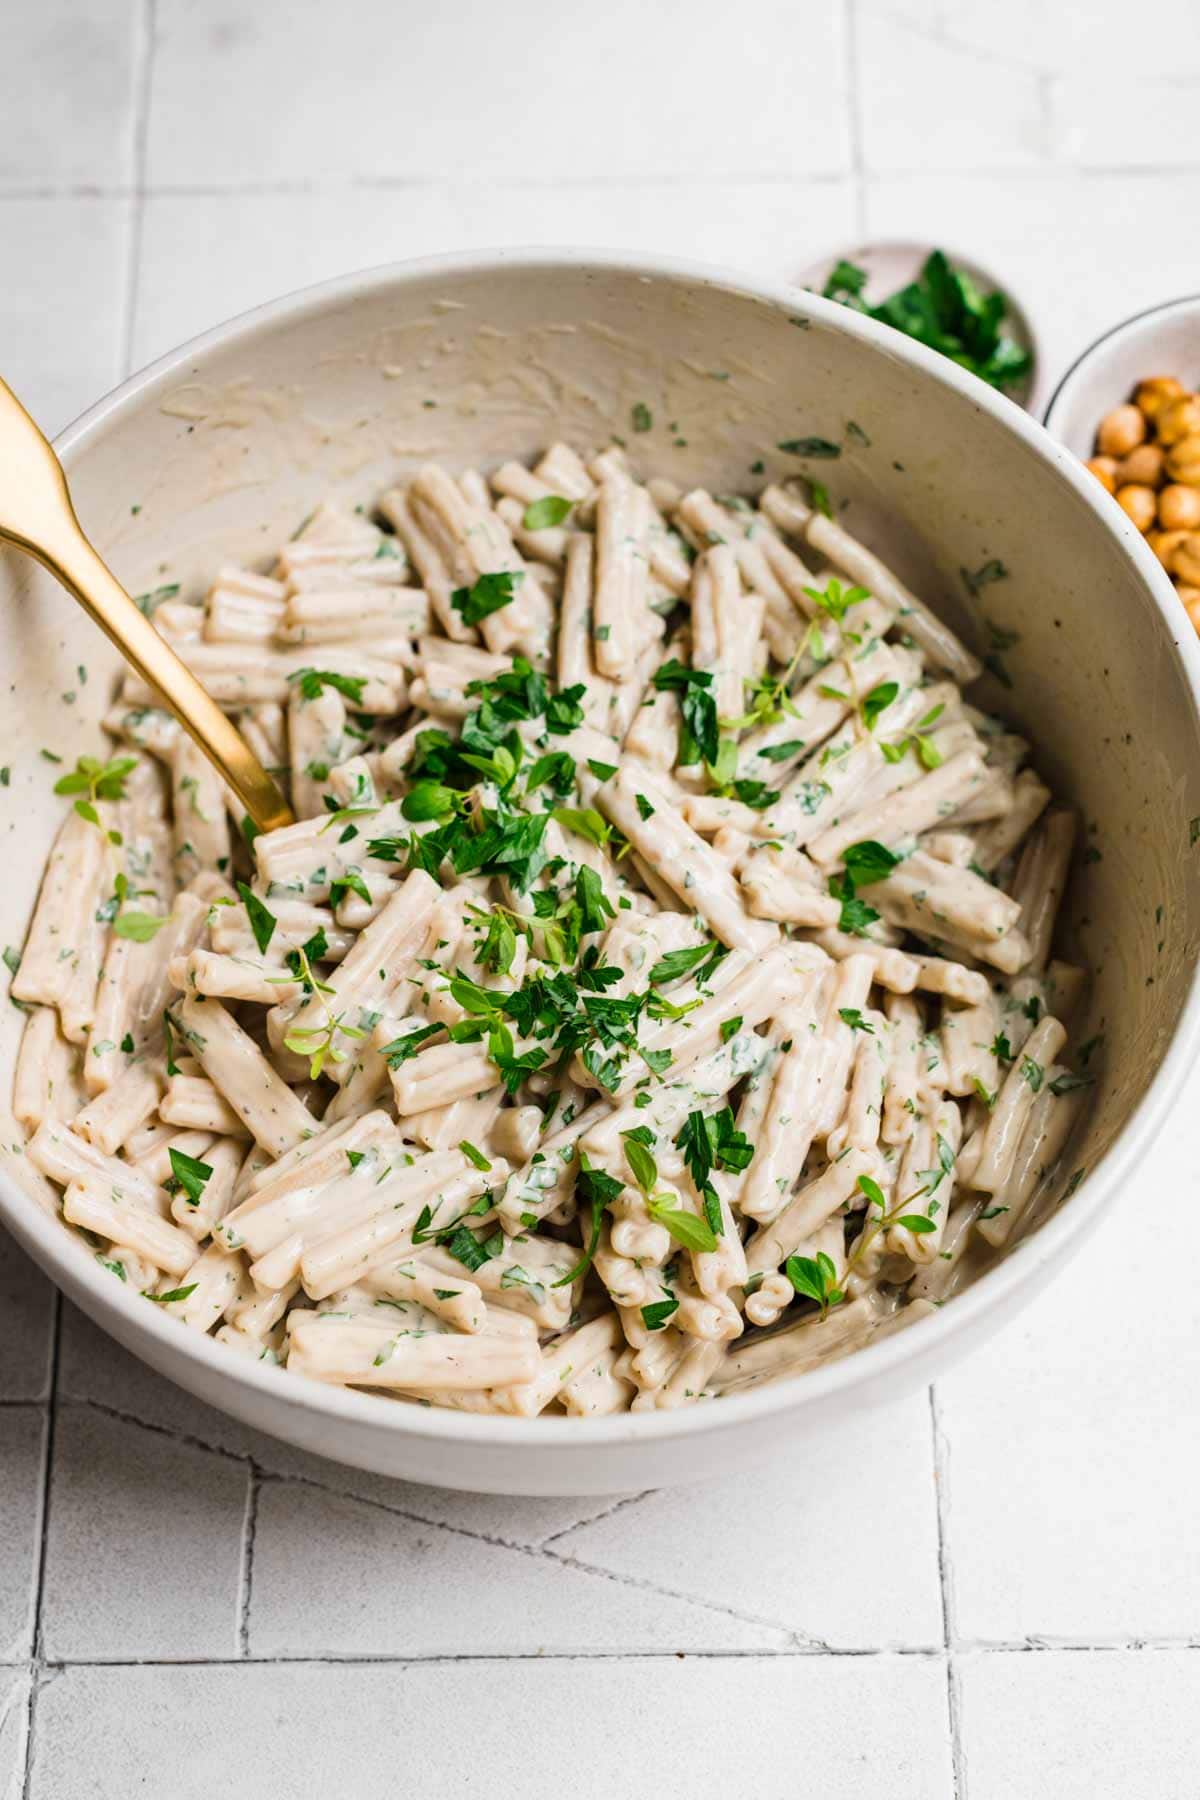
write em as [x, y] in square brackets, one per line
[37, 516]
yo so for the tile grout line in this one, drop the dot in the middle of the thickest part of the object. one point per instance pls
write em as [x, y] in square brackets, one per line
[616, 1507]
[37, 1661]
[941, 1488]
[1032, 172]
[854, 114]
[246, 1570]
[793, 1652]
[139, 136]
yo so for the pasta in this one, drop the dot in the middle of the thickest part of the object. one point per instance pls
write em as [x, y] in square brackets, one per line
[654, 996]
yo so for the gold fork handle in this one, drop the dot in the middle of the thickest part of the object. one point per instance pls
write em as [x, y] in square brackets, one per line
[37, 516]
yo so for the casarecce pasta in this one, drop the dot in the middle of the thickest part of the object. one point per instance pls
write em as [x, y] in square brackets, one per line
[654, 996]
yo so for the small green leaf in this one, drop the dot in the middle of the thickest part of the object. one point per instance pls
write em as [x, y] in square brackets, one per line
[817, 447]
[851, 1016]
[551, 509]
[877, 701]
[872, 1191]
[139, 927]
[489, 594]
[401, 1048]
[190, 1173]
[641, 1162]
[687, 1228]
[868, 861]
[655, 1316]
[262, 920]
[313, 682]
[585, 822]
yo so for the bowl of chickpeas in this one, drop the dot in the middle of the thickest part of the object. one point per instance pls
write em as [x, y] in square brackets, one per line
[1130, 408]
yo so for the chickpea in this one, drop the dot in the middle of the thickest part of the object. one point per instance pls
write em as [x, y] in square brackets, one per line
[1143, 466]
[1183, 460]
[1185, 564]
[1164, 545]
[1104, 468]
[1179, 508]
[1191, 604]
[1179, 419]
[1154, 393]
[1121, 431]
[1139, 503]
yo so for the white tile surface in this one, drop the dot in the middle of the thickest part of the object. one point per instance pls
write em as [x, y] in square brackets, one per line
[64, 263]
[753, 1542]
[931, 101]
[144, 1543]
[1104, 1726]
[66, 93]
[313, 92]
[22, 1456]
[94, 1368]
[287, 143]
[1073, 1446]
[14, 1718]
[388, 1586]
[206, 256]
[596, 1729]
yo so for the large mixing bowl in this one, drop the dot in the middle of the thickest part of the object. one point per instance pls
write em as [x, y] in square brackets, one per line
[220, 449]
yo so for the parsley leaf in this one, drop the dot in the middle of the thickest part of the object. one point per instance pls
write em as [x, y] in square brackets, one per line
[851, 1016]
[313, 683]
[262, 920]
[855, 915]
[681, 962]
[401, 1048]
[551, 509]
[139, 927]
[867, 862]
[810, 446]
[190, 1173]
[593, 1190]
[181, 1293]
[699, 733]
[489, 594]
[655, 1316]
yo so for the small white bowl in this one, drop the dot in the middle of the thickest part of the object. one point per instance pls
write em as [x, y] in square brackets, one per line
[217, 451]
[892, 263]
[1165, 340]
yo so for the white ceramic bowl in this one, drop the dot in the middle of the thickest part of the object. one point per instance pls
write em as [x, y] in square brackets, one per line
[221, 448]
[1165, 340]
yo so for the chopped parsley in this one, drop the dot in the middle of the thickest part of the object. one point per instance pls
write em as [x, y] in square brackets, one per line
[262, 919]
[190, 1173]
[551, 509]
[945, 309]
[313, 682]
[488, 595]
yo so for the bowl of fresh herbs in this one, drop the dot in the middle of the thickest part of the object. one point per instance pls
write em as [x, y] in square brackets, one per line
[947, 302]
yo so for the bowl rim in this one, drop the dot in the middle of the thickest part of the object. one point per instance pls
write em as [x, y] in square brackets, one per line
[1044, 1253]
[1114, 331]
